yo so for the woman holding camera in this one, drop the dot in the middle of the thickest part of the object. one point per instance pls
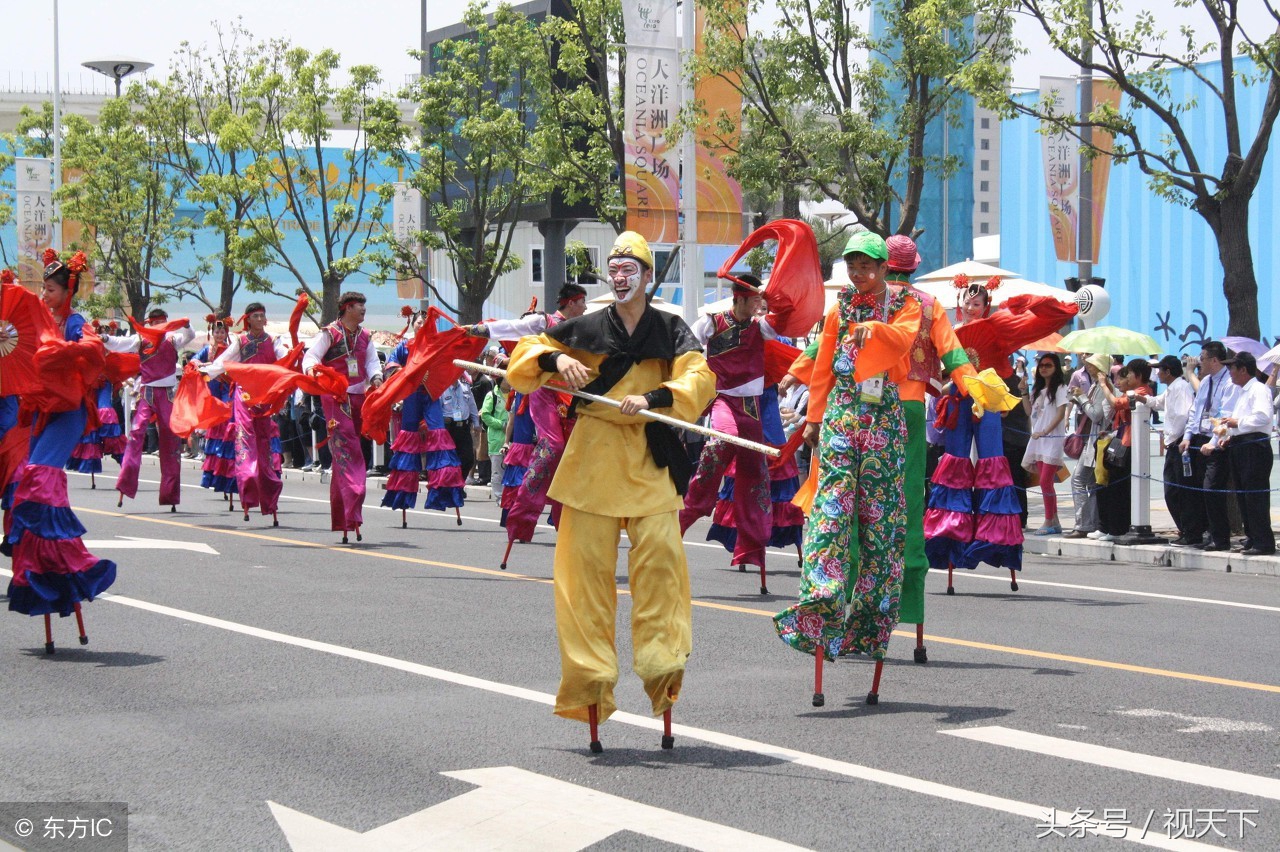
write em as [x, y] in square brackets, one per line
[1134, 380]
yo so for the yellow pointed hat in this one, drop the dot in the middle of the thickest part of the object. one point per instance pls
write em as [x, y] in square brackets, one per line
[631, 244]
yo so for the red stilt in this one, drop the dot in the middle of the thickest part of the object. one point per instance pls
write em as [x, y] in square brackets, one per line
[742, 567]
[668, 741]
[48, 635]
[246, 514]
[764, 588]
[173, 510]
[873, 697]
[818, 698]
[593, 720]
[404, 519]
[506, 554]
[799, 556]
[457, 511]
[921, 655]
[93, 480]
[344, 537]
[951, 590]
[84, 637]
[1013, 579]
[231, 502]
[120, 500]
[275, 520]
[358, 536]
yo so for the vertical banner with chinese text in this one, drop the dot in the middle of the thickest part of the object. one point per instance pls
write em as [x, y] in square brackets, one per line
[406, 214]
[651, 102]
[33, 186]
[1061, 152]
[719, 195]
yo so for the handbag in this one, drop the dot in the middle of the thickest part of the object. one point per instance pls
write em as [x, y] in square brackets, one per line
[1073, 446]
[1116, 456]
[1100, 474]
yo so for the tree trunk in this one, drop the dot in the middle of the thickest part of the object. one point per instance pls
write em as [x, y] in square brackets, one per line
[329, 306]
[471, 304]
[227, 293]
[1231, 229]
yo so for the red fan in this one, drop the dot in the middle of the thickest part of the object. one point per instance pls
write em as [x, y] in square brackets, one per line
[24, 320]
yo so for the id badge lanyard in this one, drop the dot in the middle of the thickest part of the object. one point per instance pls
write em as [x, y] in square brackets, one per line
[871, 390]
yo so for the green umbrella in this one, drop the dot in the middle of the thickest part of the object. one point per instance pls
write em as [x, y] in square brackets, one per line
[1110, 340]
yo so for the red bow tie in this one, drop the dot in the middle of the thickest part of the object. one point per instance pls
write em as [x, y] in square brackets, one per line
[864, 300]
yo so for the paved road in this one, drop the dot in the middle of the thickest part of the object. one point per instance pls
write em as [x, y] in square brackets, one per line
[292, 691]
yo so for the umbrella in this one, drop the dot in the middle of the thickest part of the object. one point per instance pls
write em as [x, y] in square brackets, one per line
[1109, 340]
[1270, 358]
[972, 268]
[1256, 348]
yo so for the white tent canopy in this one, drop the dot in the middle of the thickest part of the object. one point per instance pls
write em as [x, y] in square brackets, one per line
[599, 303]
[972, 268]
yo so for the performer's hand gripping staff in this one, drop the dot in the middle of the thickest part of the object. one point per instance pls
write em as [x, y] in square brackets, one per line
[576, 375]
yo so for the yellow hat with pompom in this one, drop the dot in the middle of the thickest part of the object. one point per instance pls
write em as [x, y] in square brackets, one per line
[631, 244]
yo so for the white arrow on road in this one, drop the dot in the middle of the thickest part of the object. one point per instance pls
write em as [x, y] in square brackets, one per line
[128, 542]
[514, 809]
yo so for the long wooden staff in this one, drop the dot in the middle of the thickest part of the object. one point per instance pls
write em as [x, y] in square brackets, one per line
[773, 452]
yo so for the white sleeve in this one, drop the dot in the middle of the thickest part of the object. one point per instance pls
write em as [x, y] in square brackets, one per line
[701, 329]
[316, 350]
[767, 330]
[181, 337]
[514, 329]
[127, 343]
[230, 355]
[372, 365]
[282, 348]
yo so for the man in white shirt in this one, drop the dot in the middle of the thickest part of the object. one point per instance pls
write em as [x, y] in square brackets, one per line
[1206, 510]
[1248, 442]
[159, 381]
[1176, 402]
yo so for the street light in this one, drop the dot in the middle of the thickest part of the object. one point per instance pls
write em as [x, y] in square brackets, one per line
[117, 69]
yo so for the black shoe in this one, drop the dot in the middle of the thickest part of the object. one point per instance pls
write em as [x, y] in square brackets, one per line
[1180, 542]
[1214, 548]
[1253, 551]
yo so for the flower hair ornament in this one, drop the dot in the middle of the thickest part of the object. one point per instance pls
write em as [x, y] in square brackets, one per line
[408, 313]
[967, 288]
[7, 276]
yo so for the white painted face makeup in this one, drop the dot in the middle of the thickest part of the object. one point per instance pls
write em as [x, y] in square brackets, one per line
[626, 276]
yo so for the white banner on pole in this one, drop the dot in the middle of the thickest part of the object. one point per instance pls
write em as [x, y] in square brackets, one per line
[1061, 153]
[406, 222]
[33, 185]
[652, 100]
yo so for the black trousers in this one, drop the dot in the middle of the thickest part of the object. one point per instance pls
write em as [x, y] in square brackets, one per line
[1251, 460]
[1207, 510]
[1115, 511]
[1176, 497]
[461, 434]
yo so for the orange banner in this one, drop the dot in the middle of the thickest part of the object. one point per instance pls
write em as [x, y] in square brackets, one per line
[652, 99]
[1061, 154]
[719, 196]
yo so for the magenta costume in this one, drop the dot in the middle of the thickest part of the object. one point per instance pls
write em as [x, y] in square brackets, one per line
[422, 446]
[348, 354]
[52, 569]
[257, 436]
[735, 353]
[155, 402]
[107, 440]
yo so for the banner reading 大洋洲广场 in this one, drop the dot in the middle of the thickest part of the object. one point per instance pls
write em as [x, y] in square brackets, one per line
[33, 186]
[1061, 155]
[719, 195]
[652, 99]
[406, 222]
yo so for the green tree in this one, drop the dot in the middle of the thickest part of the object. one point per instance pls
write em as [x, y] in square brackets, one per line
[206, 127]
[333, 205]
[831, 112]
[127, 202]
[482, 159]
[1216, 179]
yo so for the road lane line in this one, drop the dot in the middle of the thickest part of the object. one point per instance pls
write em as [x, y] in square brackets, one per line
[491, 572]
[741, 744]
[450, 521]
[1130, 761]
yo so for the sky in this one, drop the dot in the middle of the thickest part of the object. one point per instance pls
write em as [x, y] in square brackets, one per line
[152, 30]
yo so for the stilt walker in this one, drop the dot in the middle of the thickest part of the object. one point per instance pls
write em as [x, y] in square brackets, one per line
[853, 548]
[620, 472]
[52, 570]
[345, 346]
[254, 430]
[422, 446]
[973, 514]
[158, 343]
[106, 440]
[219, 467]
[551, 415]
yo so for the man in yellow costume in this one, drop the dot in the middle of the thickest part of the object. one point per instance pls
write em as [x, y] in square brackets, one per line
[621, 471]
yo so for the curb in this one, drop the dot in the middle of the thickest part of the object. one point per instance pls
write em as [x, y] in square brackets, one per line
[1156, 555]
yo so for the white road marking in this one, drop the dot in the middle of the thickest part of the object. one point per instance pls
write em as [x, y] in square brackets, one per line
[785, 554]
[514, 810]
[1130, 761]
[780, 753]
[128, 542]
[1200, 724]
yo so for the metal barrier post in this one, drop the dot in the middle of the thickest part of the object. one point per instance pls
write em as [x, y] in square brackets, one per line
[1140, 481]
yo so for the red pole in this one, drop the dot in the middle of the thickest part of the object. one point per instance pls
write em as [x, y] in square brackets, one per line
[668, 741]
[506, 554]
[873, 697]
[593, 719]
[48, 635]
[818, 698]
[84, 639]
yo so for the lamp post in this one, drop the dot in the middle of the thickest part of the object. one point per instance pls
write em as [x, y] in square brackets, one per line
[117, 69]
